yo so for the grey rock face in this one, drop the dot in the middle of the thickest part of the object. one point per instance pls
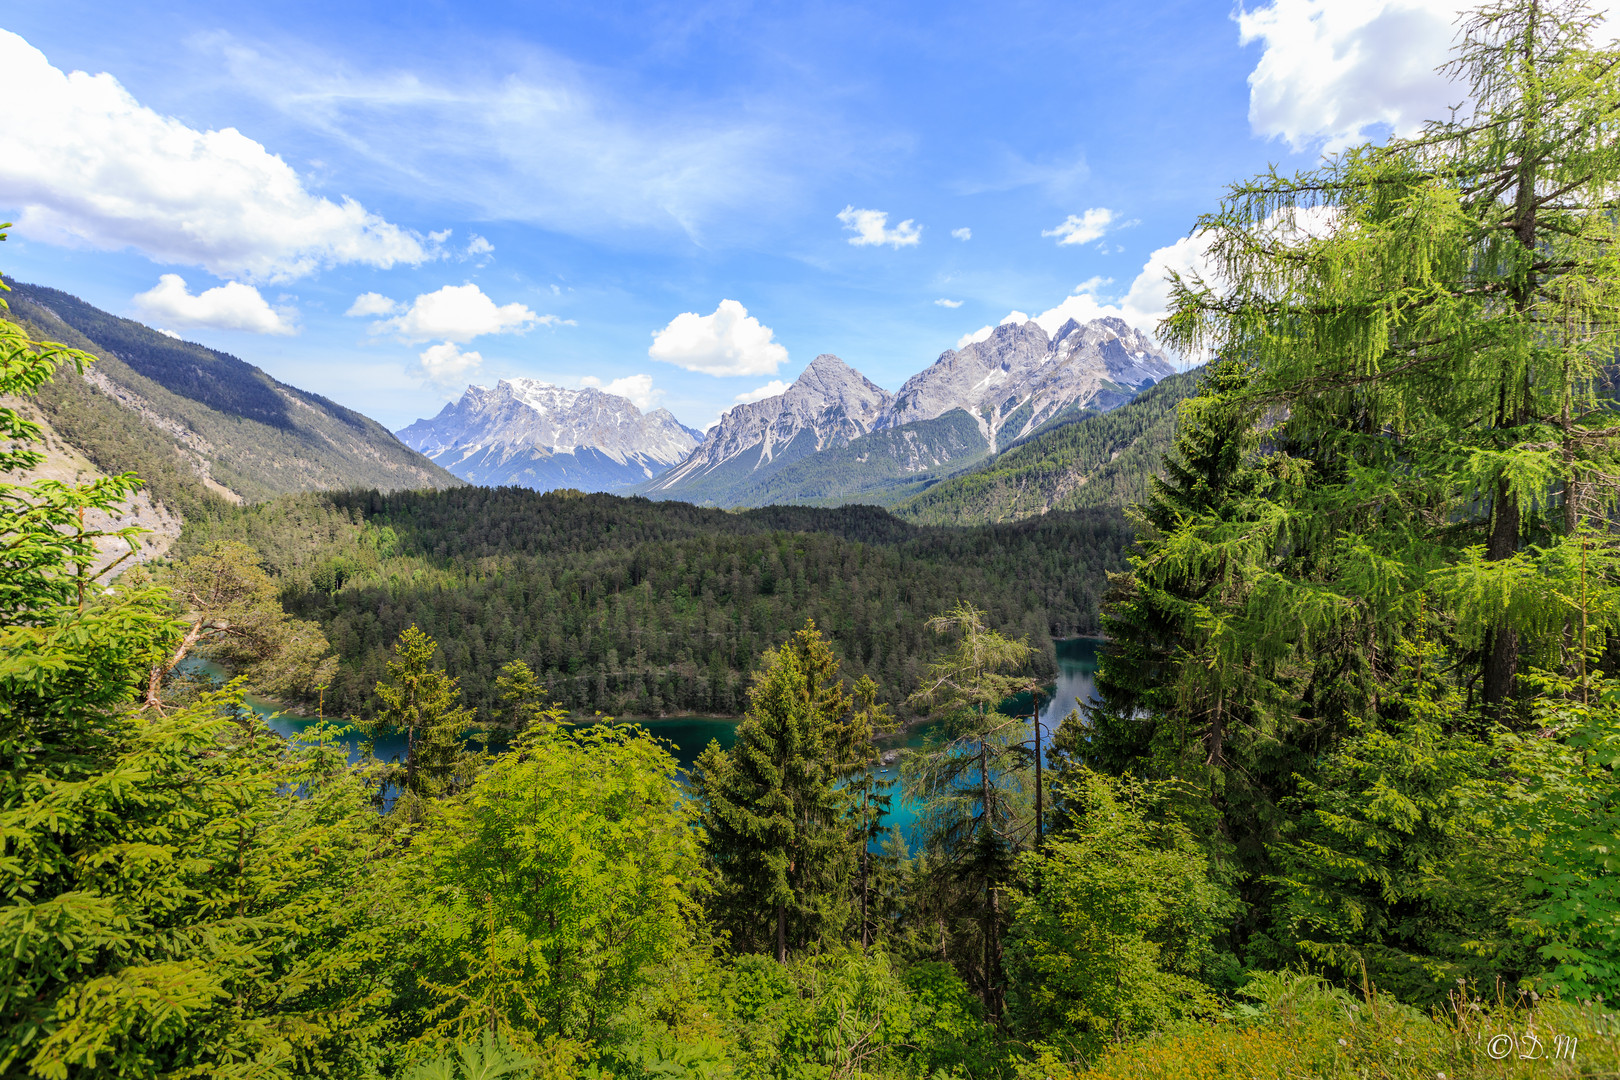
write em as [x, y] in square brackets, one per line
[828, 405]
[1103, 363]
[519, 431]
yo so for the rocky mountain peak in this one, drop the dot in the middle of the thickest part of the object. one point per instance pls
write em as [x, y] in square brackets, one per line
[1022, 377]
[829, 404]
[516, 432]
[829, 381]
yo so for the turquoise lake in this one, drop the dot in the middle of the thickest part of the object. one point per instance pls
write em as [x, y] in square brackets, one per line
[688, 735]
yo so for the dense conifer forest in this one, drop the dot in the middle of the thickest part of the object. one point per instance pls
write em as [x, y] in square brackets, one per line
[640, 608]
[1347, 806]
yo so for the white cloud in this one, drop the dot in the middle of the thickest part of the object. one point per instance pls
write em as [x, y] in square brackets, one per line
[1082, 228]
[942, 302]
[459, 313]
[371, 304]
[978, 335]
[1014, 317]
[478, 246]
[871, 229]
[759, 393]
[168, 333]
[232, 306]
[86, 165]
[446, 363]
[638, 388]
[728, 342]
[964, 233]
[1333, 73]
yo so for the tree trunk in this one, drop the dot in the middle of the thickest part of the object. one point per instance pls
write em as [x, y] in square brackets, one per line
[992, 923]
[866, 843]
[154, 682]
[781, 933]
[1502, 644]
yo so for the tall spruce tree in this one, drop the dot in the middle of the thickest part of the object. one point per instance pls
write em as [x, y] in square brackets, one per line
[778, 826]
[424, 703]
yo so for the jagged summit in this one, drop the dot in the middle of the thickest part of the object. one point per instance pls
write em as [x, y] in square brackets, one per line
[829, 404]
[534, 434]
[834, 434]
[1019, 378]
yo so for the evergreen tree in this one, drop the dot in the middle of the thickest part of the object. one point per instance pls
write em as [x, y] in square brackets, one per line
[424, 703]
[776, 822]
[974, 797]
[1429, 319]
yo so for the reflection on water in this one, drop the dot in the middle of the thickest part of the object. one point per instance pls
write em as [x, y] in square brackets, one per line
[688, 735]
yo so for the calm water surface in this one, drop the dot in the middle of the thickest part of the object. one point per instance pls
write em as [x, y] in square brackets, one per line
[688, 735]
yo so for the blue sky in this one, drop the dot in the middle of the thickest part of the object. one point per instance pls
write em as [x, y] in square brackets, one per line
[539, 190]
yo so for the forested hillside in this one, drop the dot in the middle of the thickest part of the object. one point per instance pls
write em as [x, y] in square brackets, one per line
[640, 608]
[1101, 460]
[194, 420]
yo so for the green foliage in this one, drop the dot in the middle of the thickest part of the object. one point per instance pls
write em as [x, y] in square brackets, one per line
[1558, 803]
[232, 615]
[776, 823]
[489, 1058]
[845, 1014]
[173, 887]
[1112, 922]
[1300, 1025]
[424, 702]
[973, 799]
[541, 903]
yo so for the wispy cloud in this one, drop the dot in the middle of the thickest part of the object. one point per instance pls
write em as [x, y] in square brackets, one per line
[942, 302]
[1082, 228]
[544, 144]
[102, 170]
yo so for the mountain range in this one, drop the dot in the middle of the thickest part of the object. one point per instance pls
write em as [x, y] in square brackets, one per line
[834, 436]
[1015, 425]
[528, 433]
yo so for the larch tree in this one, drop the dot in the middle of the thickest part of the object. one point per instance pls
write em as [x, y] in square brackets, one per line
[975, 810]
[1429, 321]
